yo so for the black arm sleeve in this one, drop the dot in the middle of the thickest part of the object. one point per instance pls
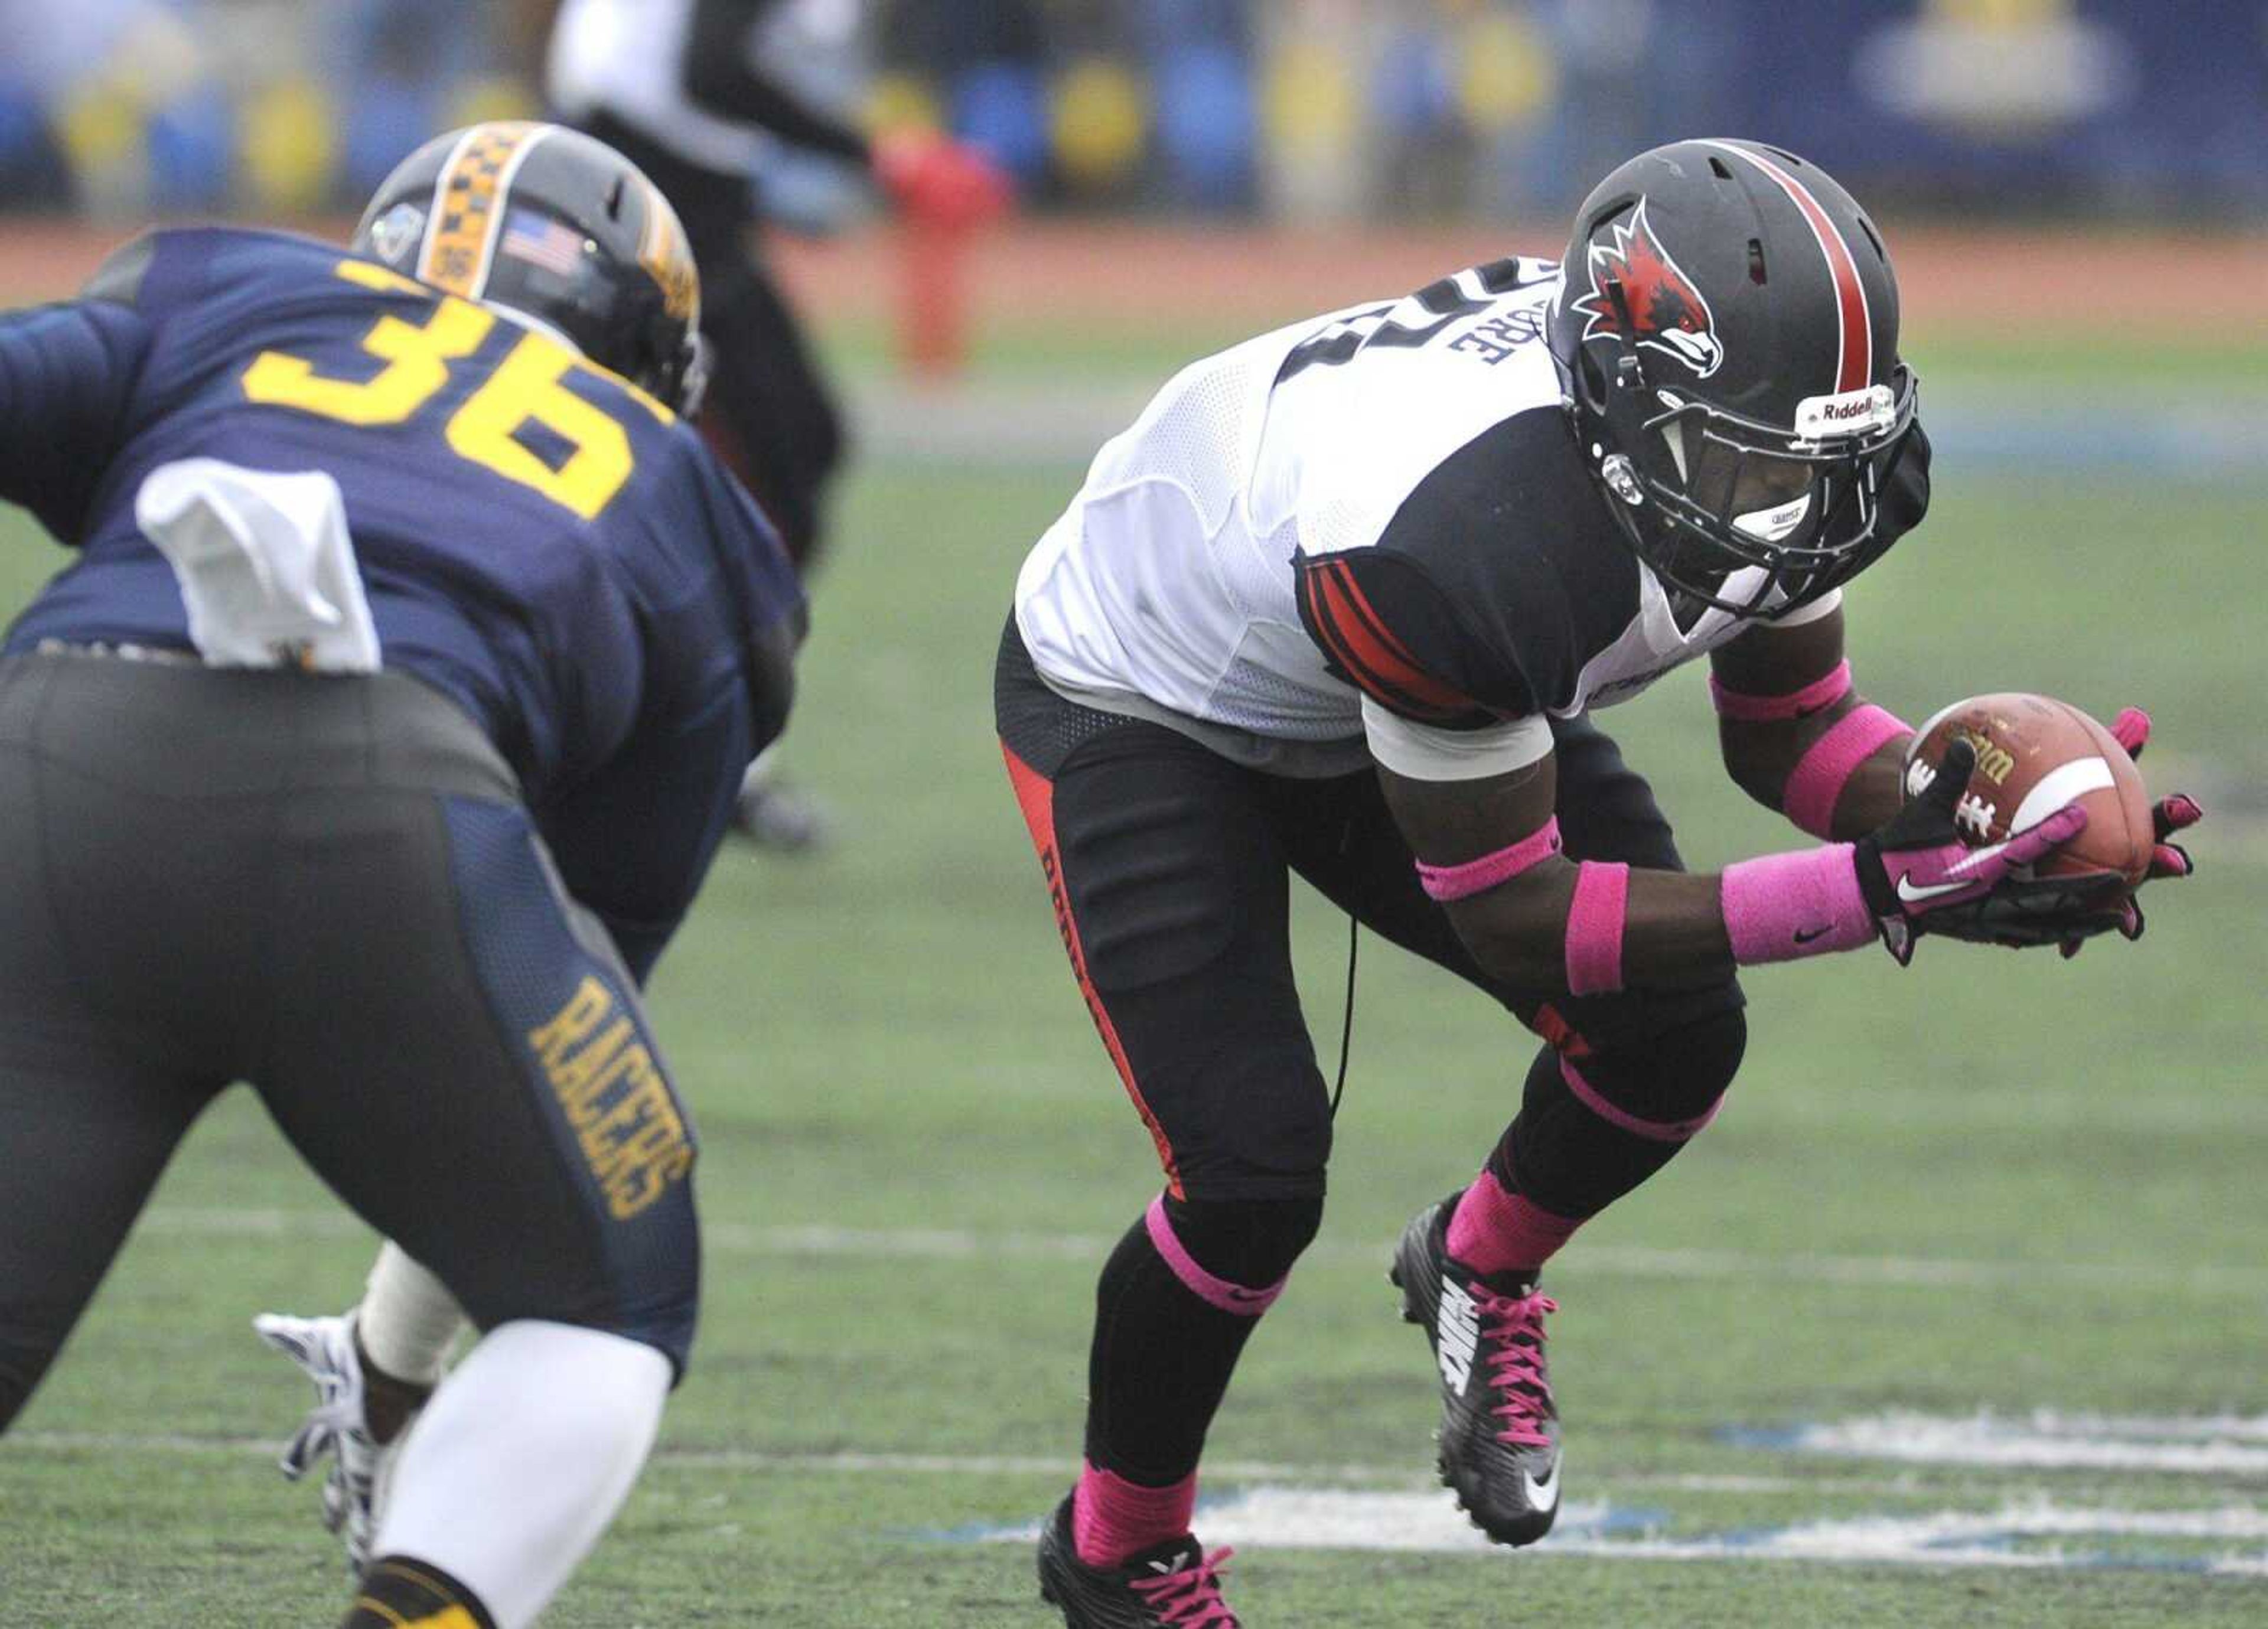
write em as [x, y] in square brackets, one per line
[720, 78]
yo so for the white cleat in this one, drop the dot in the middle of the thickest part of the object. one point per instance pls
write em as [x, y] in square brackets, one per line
[338, 1424]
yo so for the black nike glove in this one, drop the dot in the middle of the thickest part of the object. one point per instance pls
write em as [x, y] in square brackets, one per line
[1918, 876]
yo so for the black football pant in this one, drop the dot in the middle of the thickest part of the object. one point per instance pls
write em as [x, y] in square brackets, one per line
[327, 887]
[1168, 869]
[770, 415]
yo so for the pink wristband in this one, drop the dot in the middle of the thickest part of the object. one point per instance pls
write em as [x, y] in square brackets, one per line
[1785, 906]
[1819, 776]
[1815, 696]
[1476, 876]
[1594, 928]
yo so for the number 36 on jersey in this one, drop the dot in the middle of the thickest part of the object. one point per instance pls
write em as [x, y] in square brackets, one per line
[527, 390]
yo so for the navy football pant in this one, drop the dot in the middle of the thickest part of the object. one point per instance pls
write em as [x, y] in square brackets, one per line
[325, 887]
[1168, 869]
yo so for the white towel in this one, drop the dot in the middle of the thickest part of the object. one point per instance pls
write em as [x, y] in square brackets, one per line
[266, 567]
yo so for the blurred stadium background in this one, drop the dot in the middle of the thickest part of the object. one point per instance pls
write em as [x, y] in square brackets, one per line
[1956, 1316]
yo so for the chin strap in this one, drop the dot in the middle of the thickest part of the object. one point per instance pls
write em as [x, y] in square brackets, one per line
[1629, 364]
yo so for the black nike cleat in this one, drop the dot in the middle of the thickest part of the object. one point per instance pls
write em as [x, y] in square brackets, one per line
[1173, 1585]
[1500, 1437]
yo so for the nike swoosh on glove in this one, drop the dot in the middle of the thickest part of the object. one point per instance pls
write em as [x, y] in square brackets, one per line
[1916, 865]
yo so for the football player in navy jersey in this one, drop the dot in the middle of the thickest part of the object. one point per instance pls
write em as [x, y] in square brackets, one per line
[370, 752]
[1342, 602]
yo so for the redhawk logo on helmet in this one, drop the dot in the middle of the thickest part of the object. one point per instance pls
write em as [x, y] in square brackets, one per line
[1667, 311]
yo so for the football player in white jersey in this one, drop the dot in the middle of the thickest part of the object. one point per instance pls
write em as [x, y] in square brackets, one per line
[1342, 602]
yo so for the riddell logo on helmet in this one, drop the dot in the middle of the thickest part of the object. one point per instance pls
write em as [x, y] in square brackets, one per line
[1848, 413]
[1666, 311]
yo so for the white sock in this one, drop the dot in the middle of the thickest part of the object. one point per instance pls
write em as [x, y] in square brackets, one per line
[407, 1318]
[522, 1458]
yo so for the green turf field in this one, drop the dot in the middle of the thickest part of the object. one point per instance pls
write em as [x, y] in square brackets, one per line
[1949, 1216]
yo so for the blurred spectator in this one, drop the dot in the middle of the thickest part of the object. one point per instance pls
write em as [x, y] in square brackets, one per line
[710, 98]
[1298, 107]
[1201, 57]
[79, 86]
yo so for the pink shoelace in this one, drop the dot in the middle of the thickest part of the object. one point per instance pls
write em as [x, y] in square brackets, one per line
[1190, 1598]
[1514, 1325]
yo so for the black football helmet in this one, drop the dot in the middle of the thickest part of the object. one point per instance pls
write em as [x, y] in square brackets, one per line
[558, 229]
[1727, 341]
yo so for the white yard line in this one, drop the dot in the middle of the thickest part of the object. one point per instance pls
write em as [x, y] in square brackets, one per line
[2218, 1448]
[1412, 1476]
[2226, 1446]
[1395, 1507]
[1605, 1261]
[2032, 1534]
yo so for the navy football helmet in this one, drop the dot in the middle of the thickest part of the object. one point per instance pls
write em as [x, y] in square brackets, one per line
[558, 229]
[1726, 335]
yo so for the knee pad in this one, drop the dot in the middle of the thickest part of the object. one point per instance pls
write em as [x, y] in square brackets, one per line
[1252, 1242]
[1673, 1079]
[1593, 1128]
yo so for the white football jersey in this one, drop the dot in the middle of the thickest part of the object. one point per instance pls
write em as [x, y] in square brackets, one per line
[1371, 524]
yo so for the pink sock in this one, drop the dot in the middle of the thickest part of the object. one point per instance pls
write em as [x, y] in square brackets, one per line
[1112, 1518]
[1494, 1231]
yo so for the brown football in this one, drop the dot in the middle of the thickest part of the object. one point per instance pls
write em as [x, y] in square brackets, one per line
[2035, 755]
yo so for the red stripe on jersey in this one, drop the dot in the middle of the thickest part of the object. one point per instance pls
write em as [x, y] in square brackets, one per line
[1327, 614]
[1371, 620]
[1380, 662]
[1035, 795]
[1856, 366]
[1319, 620]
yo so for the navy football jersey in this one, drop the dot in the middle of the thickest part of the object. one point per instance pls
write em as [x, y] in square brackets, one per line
[537, 538]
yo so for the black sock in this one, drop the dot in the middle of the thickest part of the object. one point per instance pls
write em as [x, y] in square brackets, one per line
[1163, 1355]
[396, 1593]
[388, 1403]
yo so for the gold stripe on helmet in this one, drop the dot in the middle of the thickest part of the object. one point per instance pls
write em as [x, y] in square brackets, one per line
[667, 259]
[468, 201]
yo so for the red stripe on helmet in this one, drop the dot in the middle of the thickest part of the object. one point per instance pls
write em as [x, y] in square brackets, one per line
[1855, 368]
